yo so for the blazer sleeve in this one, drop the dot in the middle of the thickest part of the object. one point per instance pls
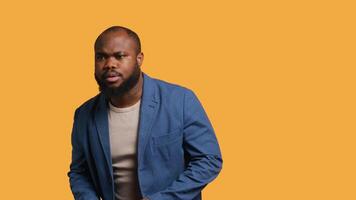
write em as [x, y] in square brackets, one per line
[202, 149]
[79, 178]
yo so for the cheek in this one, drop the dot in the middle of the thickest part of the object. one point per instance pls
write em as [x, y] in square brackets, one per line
[98, 68]
[128, 67]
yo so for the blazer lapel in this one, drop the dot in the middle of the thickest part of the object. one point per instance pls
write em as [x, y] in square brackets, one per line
[102, 125]
[148, 111]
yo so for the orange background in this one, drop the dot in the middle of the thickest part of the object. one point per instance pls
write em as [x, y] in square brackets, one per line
[277, 79]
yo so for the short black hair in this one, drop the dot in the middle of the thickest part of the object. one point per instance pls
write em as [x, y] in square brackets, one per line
[128, 31]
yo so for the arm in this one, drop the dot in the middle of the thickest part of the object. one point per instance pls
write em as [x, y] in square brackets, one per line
[79, 177]
[203, 152]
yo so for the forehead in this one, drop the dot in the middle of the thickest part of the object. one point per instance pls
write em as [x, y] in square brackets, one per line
[115, 41]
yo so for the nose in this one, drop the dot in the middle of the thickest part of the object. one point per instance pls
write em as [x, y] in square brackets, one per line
[110, 63]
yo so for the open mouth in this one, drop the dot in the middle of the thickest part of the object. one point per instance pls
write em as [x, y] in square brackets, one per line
[112, 78]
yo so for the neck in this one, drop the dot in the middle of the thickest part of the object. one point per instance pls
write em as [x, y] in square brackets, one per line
[131, 97]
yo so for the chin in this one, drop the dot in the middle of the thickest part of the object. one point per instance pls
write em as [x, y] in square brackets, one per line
[113, 85]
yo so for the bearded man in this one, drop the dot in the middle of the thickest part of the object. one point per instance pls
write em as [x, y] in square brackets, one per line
[140, 137]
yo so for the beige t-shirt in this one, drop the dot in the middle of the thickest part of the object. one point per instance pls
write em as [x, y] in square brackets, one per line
[123, 131]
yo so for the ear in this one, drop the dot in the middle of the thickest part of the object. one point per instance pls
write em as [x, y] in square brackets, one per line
[139, 58]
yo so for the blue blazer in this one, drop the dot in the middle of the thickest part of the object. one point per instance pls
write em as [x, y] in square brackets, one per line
[178, 153]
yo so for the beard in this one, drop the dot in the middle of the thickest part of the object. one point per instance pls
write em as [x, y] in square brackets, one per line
[124, 87]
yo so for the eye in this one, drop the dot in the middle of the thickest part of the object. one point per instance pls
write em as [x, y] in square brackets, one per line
[99, 57]
[119, 56]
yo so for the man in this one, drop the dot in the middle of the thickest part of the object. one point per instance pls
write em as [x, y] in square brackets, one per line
[140, 137]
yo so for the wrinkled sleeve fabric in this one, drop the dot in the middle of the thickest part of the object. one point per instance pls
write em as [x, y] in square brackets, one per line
[202, 149]
[79, 178]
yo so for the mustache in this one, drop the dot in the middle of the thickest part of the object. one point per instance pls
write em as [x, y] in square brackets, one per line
[110, 73]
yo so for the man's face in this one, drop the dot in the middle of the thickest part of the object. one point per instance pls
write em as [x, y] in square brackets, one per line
[117, 63]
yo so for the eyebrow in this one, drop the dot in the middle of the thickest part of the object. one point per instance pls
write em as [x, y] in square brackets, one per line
[115, 53]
